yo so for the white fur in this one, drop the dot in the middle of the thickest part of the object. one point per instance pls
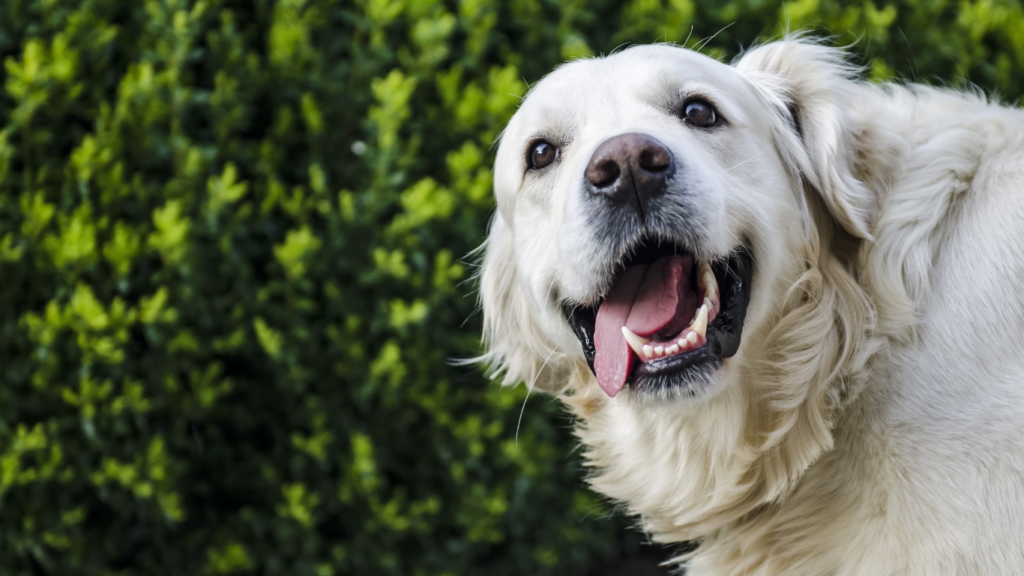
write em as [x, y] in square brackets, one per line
[872, 422]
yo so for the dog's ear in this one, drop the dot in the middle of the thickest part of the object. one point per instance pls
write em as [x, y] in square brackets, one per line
[811, 86]
[514, 345]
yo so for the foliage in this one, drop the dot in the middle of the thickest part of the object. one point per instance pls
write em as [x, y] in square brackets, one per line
[232, 240]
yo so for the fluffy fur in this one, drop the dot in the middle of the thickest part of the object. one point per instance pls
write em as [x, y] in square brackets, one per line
[872, 422]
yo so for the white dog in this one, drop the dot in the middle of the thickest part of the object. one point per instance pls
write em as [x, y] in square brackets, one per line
[786, 306]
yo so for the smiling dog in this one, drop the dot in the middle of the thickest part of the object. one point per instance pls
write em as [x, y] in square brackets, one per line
[784, 305]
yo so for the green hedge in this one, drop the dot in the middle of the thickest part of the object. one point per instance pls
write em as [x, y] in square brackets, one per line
[233, 273]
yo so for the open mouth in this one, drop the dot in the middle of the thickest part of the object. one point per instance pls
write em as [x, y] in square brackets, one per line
[668, 320]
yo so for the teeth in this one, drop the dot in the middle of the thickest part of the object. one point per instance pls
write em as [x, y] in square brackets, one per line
[706, 280]
[697, 330]
[635, 342]
[700, 323]
[703, 272]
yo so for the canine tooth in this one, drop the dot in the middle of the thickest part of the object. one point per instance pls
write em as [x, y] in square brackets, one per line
[659, 351]
[648, 350]
[702, 274]
[635, 342]
[691, 338]
[673, 349]
[710, 280]
[710, 290]
[700, 323]
[707, 302]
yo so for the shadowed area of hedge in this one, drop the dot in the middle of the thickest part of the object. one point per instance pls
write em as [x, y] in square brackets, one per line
[233, 273]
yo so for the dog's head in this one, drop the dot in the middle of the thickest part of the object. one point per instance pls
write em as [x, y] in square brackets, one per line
[674, 243]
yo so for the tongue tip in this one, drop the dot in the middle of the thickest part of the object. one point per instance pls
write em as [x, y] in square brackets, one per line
[611, 388]
[612, 371]
[612, 378]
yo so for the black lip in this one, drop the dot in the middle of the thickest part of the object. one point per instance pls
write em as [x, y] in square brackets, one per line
[724, 333]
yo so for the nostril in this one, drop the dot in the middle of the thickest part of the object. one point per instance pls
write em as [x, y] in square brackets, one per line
[655, 159]
[603, 173]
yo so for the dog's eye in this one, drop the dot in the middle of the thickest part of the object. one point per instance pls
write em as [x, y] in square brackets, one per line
[541, 154]
[699, 113]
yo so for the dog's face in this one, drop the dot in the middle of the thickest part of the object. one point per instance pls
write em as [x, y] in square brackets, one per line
[675, 242]
[621, 183]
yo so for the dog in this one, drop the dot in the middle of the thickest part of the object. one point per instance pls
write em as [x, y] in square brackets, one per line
[783, 304]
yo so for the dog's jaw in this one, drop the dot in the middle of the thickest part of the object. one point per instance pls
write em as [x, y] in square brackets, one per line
[671, 357]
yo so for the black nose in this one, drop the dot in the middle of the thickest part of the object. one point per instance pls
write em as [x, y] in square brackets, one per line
[629, 169]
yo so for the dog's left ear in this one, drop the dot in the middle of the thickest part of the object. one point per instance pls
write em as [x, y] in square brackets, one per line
[811, 87]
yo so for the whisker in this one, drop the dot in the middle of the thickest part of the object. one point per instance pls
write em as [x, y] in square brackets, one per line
[737, 165]
[528, 390]
[704, 42]
[763, 223]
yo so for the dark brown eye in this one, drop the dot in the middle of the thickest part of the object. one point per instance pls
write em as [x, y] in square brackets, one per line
[699, 113]
[541, 154]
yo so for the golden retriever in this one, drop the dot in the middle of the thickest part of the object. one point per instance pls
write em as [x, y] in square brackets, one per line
[781, 302]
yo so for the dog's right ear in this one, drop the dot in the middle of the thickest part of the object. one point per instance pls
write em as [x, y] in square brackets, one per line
[811, 86]
[514, 346]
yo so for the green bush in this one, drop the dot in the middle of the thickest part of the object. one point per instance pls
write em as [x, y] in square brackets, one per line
[233, 274]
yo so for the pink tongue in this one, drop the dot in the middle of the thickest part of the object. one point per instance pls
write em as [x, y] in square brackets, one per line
[646, 299]
[613, 357]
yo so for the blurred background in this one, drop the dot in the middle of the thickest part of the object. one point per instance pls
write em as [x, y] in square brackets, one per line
[235, 272]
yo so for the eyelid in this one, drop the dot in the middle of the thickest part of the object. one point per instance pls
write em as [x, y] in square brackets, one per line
[701, 92]
[688, 98]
